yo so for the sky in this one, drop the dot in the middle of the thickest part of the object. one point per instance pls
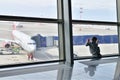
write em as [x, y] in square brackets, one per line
[101, 10]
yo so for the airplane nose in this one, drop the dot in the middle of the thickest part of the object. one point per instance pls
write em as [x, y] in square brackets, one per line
[32, 48]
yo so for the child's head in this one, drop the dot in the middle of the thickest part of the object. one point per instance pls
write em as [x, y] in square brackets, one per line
[94, 39]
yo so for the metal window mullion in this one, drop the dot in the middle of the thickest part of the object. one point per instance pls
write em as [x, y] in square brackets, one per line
[28, 19]
[67, 16]
[118, 22]
[65, 30]
[60, 30]
[94, 22]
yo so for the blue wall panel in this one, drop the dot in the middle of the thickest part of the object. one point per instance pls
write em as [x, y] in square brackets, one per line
[115, 39]
[103, 39]
[43, 41]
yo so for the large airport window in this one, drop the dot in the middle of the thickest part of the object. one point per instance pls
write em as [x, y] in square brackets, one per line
[106, 34]
[29, 8]
[24, 42]
[96, 10]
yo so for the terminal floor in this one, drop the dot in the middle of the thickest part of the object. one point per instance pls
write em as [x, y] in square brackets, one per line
[103, 69]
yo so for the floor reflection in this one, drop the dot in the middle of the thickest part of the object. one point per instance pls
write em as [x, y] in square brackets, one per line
[95, 69]
[65, 73]
[117, 71]
[91, 69]
[103, 69]
[48, 72]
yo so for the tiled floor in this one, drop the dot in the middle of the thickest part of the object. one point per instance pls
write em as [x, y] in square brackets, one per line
[103, 69]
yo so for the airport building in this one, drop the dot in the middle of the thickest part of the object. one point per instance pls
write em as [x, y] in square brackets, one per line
[52, 40]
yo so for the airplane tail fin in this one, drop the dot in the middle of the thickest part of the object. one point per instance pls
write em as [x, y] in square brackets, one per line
[14, 26]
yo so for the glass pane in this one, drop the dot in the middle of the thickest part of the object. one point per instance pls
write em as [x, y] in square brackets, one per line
[97, 10]
[22, 42]
[29, 8]
[106, 34]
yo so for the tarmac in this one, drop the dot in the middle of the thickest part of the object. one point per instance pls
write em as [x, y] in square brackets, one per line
[52, 53]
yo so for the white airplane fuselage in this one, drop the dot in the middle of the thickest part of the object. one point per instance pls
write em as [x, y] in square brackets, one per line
[24, 41]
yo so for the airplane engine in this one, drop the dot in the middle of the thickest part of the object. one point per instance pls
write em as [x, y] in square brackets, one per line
[7, 45]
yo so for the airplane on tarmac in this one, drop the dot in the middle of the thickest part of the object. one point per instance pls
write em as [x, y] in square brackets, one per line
[22, 39]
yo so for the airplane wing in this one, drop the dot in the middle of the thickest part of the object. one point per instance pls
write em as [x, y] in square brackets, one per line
[8, 40]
